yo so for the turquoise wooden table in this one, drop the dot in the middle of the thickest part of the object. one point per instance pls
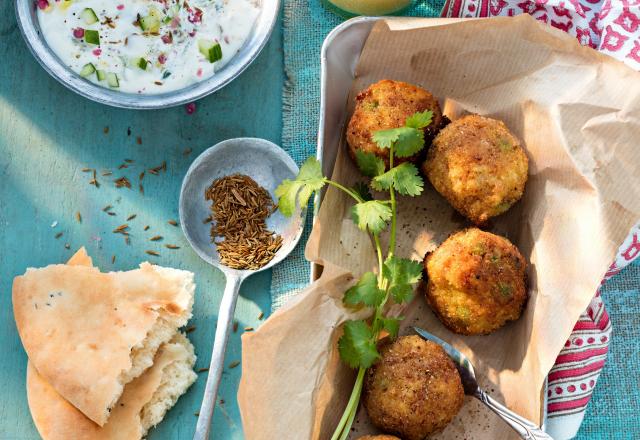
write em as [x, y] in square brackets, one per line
[48, 135]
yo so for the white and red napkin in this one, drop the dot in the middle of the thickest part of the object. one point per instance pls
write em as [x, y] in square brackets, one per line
[611, 27]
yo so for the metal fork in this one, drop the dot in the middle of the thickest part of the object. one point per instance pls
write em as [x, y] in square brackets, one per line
[525, 428]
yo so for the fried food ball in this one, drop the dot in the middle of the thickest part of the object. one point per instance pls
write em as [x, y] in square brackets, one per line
[378, 437]
[478, 166]
[414, 389]
[384, 105]
[476, 282]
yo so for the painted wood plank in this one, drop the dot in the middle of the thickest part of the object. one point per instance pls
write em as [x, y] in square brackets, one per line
[48, 134]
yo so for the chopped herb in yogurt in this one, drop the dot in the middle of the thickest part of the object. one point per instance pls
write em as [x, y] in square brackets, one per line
[146, 46]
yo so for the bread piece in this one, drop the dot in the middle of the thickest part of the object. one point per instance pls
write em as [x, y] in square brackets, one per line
[143, 404]
[89, 333]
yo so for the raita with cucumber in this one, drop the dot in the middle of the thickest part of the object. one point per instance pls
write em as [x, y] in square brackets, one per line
[146, 46]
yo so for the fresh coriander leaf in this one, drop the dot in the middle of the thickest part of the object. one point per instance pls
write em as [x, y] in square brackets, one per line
[409, 142]
[401, 274]
[404, 178]
[401, 293]
[372, 215]
[308, 180]
[365, 292]
[363, 191]
[391, 325]
[406, 141]
[356, 346]
[419, 119]
[386, 138]
[369, 164]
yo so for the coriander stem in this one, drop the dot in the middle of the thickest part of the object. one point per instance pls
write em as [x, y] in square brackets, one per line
[347, 417]
[392, 197]
[345, 189]
[376, 240]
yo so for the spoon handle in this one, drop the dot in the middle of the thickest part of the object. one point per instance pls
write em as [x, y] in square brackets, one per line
[527, 429]
[223, 327]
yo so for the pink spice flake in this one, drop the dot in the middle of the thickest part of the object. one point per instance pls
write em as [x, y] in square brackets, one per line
[78, 32]
[162, 58]
[190, 108]
[167, 38]
[120, 7]
[199, 72]
[97, 52]
[43, 4]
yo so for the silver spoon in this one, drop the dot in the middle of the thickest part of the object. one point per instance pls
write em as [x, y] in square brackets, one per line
[525, 428]
[268, 165]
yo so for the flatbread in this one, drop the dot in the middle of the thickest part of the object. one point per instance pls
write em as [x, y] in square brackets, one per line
[57, 419]
[80, 258]
[79, 326]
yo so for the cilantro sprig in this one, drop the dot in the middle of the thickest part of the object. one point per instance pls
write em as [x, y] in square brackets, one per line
[395, 277]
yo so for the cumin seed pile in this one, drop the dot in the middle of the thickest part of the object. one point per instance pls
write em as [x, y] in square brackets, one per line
[239, 209]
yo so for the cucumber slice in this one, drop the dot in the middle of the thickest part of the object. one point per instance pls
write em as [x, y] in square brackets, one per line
[102, 75]
[150, 23]
[89, 16]
[141, 63]
[154, 12]
[87, 69]
[112, 80]
[210, 49]
[92, 37]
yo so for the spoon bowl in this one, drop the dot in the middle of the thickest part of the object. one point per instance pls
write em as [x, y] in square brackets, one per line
[268, 165]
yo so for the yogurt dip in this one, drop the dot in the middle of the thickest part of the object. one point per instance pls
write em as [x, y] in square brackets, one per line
[146, 46]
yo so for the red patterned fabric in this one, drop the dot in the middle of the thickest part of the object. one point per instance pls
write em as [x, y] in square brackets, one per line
[611, 27]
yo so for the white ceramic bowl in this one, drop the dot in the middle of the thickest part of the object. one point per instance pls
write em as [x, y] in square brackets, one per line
[26, 11]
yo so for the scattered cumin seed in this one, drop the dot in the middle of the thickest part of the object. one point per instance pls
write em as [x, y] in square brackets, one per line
[122, 182]
[129, 160]
[58, 235]
[127, 240]
[173, 222]
[146, 228]
[248, 329]
[78, 217]
[187, 151]
[105, 130]
[190, 329]
[113, 259]
[87, 170]
[202, 370]
[156, 238]
[132, 216]
[234, 364]
[207, 220]
[221, 401]
[141, 189]
[141, 176]
[106, 173]
[197, 413]
[106, 208]
[124, 165]
[171, 246]
[153, 171]
[139, 140]
[260, 316]
[111, 213]
[235, 326]
[128, 131]
[154, 253]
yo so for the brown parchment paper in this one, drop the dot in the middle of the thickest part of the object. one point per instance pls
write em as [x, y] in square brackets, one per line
[578, 113]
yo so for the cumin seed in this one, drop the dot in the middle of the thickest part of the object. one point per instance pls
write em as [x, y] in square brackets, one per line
[131, 217]
[154, 253]
[234, 364]
[156, 238]
[171, 246]
[173, 222]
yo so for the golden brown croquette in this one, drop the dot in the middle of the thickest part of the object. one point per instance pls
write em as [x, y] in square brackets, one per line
[476, 282]
[478, 166]
[384, 105]
[413, 390]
